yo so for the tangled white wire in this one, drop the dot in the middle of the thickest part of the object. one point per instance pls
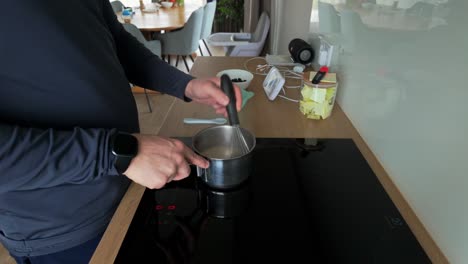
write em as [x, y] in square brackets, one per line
[288, 74]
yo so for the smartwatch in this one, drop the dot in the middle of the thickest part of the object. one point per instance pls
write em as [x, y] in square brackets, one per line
[124, 147]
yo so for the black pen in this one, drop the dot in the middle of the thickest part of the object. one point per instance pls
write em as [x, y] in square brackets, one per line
[320, 74]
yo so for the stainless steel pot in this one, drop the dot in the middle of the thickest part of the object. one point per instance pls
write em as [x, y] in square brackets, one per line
[230, 163]
[227, 169]
[225, 203]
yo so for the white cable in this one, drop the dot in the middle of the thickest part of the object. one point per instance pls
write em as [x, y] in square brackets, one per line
[287, 98]
[293, 87]
[251, 59]
[263, 69]
[295, 76]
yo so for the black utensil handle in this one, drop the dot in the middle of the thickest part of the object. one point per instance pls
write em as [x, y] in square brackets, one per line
[228, 89]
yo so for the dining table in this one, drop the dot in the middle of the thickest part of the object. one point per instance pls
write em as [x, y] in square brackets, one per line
[162, 19]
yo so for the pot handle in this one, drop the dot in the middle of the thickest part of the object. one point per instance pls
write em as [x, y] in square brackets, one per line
[200, 171]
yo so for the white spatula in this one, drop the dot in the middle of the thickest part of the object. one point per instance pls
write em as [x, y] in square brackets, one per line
[218, 121]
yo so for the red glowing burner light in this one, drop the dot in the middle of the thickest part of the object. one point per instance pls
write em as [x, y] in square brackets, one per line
[160, 207]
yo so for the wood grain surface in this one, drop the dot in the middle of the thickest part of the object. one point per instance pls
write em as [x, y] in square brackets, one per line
[166, 19]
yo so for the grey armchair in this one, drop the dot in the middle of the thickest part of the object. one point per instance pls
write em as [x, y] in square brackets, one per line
[153, 45]
[117, 6]
[207, 25]
[183, 42]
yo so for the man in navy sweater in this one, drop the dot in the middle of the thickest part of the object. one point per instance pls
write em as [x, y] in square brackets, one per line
[69, 141]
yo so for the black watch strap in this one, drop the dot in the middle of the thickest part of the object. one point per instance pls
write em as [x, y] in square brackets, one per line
[122, 163]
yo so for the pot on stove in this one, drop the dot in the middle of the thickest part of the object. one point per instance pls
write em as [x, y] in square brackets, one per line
[224, 172]
[230, 164]
[225, 203]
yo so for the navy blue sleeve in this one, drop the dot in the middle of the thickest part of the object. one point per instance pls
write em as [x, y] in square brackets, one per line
[33, 158]
[142, 67]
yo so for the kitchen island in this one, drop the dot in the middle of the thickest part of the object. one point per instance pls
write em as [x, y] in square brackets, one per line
[266, 119]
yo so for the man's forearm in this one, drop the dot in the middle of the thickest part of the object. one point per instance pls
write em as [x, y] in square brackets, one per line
[33, 158]
[142, 67]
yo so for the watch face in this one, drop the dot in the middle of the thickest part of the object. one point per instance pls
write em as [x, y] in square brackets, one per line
[125, 145]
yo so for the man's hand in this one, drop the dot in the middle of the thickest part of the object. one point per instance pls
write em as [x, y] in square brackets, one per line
[208, 91]
[161, 160]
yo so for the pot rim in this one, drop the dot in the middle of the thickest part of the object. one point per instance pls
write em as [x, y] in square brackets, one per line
[215, 127]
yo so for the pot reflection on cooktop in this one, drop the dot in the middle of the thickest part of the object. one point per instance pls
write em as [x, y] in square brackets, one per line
[308, 200]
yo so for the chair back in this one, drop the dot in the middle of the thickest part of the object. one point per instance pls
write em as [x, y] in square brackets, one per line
[208, 19]
[134, 31]
[261, 31]
[256, 42]
[184, 41]
[192, 31]
[117, 6]
[153, 45]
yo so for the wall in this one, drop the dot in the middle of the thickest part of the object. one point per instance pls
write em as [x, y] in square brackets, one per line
[404, 90]
[289, 20]
[403, 76]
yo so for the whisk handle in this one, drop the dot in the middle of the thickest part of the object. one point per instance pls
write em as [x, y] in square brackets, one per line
[228, 89]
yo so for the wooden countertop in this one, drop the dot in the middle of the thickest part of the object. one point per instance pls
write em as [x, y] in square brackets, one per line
[265, 118]
[278, 118]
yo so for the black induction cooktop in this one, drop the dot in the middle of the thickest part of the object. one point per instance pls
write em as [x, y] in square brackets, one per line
[306, 201]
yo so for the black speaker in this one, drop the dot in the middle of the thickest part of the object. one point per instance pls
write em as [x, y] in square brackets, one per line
[301, 52]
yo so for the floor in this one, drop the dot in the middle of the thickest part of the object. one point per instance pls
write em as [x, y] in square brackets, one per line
[215, 51]
[150, 122]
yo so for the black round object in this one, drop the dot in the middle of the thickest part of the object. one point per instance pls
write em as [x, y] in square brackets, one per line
[301, 51]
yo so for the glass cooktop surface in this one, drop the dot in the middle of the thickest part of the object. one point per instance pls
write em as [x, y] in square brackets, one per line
[308, 200]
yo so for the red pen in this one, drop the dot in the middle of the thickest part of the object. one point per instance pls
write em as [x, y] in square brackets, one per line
[320, 74]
